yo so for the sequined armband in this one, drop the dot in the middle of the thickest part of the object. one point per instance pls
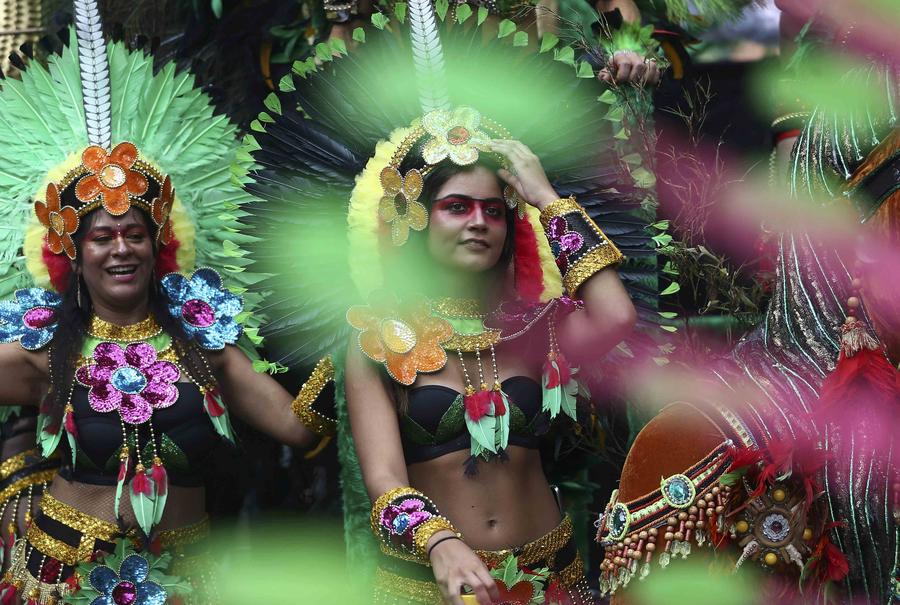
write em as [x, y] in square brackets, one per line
[404, 520]
[580, 247]
[309, 407]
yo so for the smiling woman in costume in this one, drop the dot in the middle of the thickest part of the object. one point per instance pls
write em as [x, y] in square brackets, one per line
[134, 362]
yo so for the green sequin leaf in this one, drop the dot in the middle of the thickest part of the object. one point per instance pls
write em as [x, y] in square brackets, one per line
[452, 422]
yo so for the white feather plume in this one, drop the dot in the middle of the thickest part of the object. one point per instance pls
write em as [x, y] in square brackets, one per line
[94, 72]
[428, 56]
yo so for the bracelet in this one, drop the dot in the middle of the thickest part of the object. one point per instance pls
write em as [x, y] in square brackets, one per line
[444, 539]
[581, 249]
[404, 520]
[302, 406]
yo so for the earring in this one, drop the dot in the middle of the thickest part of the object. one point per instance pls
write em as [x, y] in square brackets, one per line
[78, 293]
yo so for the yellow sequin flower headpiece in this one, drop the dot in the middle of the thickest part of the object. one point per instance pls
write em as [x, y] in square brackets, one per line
[385, 200]
[457, 135]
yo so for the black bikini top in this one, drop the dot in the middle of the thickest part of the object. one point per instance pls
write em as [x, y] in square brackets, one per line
[434, 423]
[185, 438]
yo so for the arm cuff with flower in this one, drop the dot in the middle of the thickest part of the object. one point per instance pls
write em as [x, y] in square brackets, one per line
[580, 247]
[315, 417]
[404, 520]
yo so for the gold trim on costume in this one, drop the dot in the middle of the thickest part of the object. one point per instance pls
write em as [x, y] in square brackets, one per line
[44, 593]
[14, 464]
[56, 548]
[184, 536]
[469, 343]
[302, 405]
[142, 330]
[458, 308]
[400, 587]
[26, 482]
[542, 549]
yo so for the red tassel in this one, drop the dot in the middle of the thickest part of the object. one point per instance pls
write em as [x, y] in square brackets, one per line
[477, 404]
[69, 422]
[552, 374]
[212, 403]
[124, 468]
[8, 594]
[529, 275]
[167, 258]
[140, 484]
[836, 565]
[497, 400]
[865, 377]
[565, 370]
[58, 266]
[160, 477]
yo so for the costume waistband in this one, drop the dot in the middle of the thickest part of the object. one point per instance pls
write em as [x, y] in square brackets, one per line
[402, 581]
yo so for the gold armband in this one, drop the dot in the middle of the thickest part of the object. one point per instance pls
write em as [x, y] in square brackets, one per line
[302, 406]
[580, 247]
[404, 520]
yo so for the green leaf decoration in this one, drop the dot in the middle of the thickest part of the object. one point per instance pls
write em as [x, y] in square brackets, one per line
[274, 105]
[668, 314]
[566, 54]
[400, 11]
[482, 431]
[379, 20]
[548, 42]
[568, 402]
[338, 46]
[323, 51]
[643, 178]
[286, 83]
[584, 70]
[143, 507]
[671, 289]
[552, 398]
[482, 15]
[520, 39]
[359, 34]
[216, 6]
[503, 421]
[505, 28]
[463, 12]
[608, 97]
[441, 7]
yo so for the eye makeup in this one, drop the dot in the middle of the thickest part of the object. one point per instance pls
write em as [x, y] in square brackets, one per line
[493, 209]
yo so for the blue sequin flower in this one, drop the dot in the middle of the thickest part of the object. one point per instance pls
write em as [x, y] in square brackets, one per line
[128, 587]
[206, 310]
[31, 317]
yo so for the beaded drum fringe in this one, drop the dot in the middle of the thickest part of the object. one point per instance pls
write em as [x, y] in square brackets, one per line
[395, 589]
[683, 511]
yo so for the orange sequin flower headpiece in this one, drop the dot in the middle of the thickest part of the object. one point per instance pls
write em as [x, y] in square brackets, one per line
[115, 181]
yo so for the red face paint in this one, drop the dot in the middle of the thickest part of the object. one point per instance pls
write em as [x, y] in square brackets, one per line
[492, 209]
[133, 232]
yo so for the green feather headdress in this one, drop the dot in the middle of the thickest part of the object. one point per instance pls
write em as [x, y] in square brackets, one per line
[102, 94]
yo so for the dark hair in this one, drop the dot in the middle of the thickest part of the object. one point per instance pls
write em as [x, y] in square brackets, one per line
[74, 319]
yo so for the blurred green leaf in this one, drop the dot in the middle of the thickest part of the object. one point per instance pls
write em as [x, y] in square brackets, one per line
[505, 28]
[463, 12]
[548, 42]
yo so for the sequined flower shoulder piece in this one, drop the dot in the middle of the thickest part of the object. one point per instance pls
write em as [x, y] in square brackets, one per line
[206, 310]
[30, 318]
[406, 338]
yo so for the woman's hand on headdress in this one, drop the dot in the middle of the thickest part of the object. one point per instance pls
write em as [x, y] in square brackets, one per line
[525, 173]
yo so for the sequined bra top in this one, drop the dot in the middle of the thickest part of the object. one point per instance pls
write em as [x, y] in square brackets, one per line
[434, 423]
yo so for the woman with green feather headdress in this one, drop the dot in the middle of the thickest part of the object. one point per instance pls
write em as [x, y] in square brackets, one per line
[130, 361]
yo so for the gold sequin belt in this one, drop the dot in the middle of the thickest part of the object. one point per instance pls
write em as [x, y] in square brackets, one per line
[92, 530]
[398, 581]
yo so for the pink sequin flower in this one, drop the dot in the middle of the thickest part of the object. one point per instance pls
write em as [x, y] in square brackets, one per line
[401, 520]
[131, 381]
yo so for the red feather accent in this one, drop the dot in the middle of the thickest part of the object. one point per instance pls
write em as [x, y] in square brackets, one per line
[161, 478]
[478, 404]
[497, 400]
[744, 456]
[141, 484]
[124, 468]
[8, 594]
[166, 259]
[212, 403]
[529, 275]
[70, 424]
[59, 268]
[866, 377]
[836, 565]
[552, 374]
[565, 370]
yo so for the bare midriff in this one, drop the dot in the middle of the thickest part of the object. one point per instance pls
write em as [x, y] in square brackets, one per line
[507, 504]
[185, 505]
